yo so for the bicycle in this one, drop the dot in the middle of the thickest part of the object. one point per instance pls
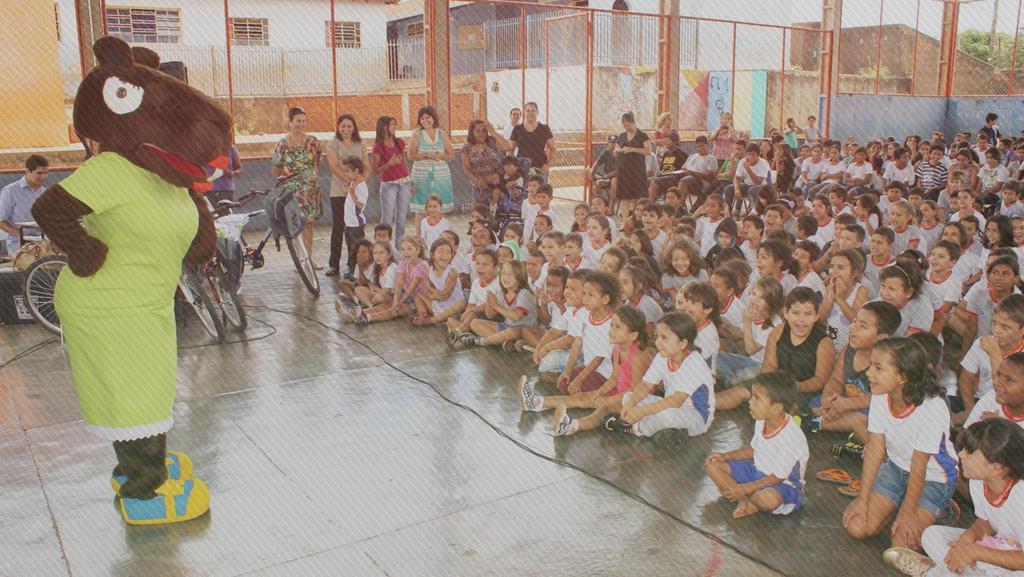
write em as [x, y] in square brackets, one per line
[41, 279]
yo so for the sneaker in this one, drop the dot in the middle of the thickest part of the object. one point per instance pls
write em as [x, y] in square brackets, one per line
[850, 448]
[614, 423]
[361, 319]
[564, 424]
[528, 401]
[907, 561]
[453, 337]
[810, 423]
[470, 339]
[333, 271]
[345, 311]
[509, 347]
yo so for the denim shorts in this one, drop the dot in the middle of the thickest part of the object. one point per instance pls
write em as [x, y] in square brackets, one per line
[891, 483]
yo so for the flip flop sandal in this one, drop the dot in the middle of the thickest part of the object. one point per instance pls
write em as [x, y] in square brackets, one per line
[838, 476]
[852, 490]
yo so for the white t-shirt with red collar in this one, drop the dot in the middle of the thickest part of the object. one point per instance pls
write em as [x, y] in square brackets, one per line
[1004, 513]
[705, 233]
[827, 231]
[478, 292]
[528, 220]
[923, 428]
[592, 254]
[594, 333]
[988, 404]
[977, 362]
[732, 312]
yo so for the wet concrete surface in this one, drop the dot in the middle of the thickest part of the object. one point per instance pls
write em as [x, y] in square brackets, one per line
[335, 450]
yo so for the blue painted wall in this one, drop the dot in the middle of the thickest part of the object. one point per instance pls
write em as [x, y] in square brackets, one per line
[866, 116]
[969, 114]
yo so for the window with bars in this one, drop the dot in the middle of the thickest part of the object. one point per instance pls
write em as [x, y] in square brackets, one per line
[250, 32]
[145, 25]
[346, 34]
[414, 29]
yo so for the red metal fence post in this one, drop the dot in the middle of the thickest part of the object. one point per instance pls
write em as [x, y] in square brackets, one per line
[732, 74]
[782, 85]
[588, 136]
[917, 37]
[522, 55]
[231, 89]
[878, 47]
[334, 66]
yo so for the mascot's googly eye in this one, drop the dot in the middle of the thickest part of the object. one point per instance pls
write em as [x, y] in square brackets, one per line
[120, 96]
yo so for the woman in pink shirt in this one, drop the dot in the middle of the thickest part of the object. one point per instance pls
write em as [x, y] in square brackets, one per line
[389, 165]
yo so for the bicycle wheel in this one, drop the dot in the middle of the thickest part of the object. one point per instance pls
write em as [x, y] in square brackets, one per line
[230, 303]
[302, 264]
[200, 296]
[40, 281]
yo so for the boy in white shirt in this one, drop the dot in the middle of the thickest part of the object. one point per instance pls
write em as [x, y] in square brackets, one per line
[355, 220]
[709, 217]
[767, 475]
[751, 174]
[1006, 399]
[699, 171]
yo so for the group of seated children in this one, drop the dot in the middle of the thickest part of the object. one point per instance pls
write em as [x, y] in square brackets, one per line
[889, 314]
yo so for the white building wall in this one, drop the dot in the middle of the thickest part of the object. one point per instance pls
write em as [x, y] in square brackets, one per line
[295, 62]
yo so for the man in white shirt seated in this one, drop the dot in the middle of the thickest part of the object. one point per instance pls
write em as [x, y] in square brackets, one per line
[17, 198]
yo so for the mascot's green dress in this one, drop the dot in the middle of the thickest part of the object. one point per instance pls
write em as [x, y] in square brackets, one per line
[127, 218]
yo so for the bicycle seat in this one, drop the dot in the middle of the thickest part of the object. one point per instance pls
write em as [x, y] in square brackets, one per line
[227, 204]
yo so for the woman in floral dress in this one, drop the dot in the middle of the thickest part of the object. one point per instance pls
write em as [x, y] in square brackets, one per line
[298, 153]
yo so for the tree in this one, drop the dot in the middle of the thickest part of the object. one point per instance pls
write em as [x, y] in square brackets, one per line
[976, 43]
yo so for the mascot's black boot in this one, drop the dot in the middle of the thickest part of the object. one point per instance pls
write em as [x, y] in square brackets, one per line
[141, 464]
[155, 486]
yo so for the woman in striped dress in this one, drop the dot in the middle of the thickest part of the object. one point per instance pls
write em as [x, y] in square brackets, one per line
[431, 151]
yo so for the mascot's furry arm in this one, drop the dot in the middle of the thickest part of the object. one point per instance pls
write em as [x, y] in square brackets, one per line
[59, 213]
[205, 241]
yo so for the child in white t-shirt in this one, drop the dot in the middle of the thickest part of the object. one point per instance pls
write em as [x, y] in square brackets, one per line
[910, 466]
[486, 264]
[700, 301]
[992, 454]
[767, 475]
[986, 354]
[434, 223]
[1006, 399]
[689, 400]
[590, 336]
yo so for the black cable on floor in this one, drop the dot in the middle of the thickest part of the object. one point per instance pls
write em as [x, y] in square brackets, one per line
[273, 331]
[522, 445]
[28, 351]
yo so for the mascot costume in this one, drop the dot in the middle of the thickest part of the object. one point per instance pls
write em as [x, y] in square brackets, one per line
[126, 219]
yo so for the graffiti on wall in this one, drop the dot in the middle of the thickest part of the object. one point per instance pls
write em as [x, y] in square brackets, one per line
[705, 95]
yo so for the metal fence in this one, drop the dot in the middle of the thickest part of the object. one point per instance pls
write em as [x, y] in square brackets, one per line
[929, 48]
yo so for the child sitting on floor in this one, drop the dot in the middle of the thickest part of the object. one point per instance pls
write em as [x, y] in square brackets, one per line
[689, 399]
[843, 404]
[630, 360]
[486, 266]
[382, 277]
[410, 281]
[443, 298]
[552, 353]
[992, 454]
[516, 307]
[590, 336]
[767, 475]
[1006, 399]
[910, 466]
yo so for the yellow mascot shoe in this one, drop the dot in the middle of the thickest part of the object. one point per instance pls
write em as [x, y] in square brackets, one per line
[175, 502]
[179, 468]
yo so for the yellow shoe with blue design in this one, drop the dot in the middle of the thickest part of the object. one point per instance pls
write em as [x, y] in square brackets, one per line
[179, 468]
[176, 501]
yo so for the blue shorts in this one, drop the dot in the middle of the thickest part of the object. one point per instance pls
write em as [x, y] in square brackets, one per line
[891, 483]
[816, 404]
[746, 472]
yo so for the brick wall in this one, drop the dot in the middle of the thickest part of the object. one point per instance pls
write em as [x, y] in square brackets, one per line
[367, 108]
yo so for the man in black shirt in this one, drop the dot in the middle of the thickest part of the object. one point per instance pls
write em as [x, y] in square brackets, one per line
[534, 141]
[670, 160]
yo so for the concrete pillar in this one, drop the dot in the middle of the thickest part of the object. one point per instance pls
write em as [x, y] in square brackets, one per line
[91, 26]
[669, 42]
[32, 101]
[436, 30]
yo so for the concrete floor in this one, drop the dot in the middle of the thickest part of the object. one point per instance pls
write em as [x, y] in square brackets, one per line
[333, 450]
